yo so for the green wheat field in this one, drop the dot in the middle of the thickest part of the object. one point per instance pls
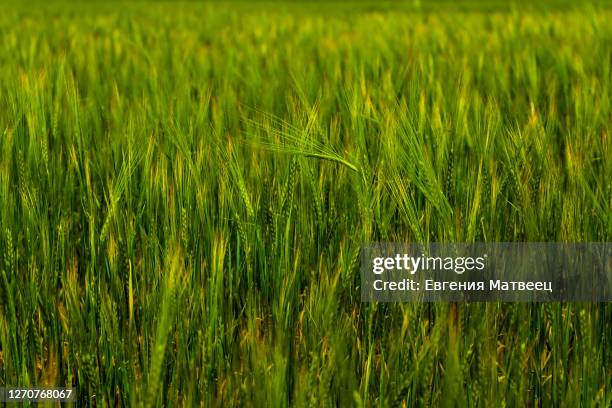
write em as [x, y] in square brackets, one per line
[185, 187]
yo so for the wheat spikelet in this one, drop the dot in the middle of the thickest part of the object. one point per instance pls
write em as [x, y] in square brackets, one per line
[289, 191]
[9, 260]
[184, 229]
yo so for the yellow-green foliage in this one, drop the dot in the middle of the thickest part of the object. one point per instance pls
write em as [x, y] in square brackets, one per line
[184, 190]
